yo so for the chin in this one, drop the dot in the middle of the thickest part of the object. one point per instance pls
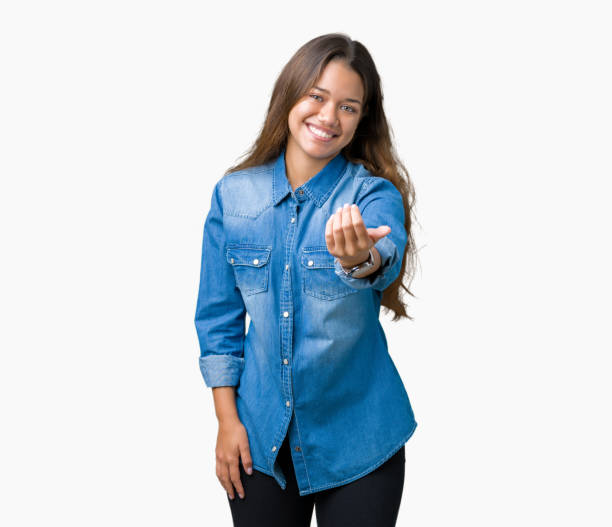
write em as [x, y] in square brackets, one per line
[322, 151]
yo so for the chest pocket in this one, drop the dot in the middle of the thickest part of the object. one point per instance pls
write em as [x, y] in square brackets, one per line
[251, 266]
[319, 276]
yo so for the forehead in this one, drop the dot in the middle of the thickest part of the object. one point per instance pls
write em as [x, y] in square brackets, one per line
[341, 80]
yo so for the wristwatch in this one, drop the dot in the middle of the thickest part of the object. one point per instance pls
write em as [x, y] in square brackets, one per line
[361, 269]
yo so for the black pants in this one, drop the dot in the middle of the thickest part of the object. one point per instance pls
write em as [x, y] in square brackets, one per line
[372, 500]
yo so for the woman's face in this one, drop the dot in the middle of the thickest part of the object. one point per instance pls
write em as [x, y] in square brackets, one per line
[332, 108]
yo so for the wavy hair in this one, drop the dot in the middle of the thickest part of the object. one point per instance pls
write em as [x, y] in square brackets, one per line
[371, 146]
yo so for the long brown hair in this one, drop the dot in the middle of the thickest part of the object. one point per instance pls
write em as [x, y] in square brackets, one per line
[371, 145]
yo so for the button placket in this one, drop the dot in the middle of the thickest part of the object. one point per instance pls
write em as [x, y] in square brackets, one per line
[286, 302]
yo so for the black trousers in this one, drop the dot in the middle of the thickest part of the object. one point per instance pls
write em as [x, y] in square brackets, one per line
[372, 500]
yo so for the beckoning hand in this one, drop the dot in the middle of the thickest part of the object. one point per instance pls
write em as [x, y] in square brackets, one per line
[347, 237]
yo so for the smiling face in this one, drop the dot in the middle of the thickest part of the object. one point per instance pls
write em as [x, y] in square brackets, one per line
[324, 120]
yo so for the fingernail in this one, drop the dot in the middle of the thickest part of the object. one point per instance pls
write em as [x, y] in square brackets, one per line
[249, 470]
[339, 209]
[241, 496]
[346, 204]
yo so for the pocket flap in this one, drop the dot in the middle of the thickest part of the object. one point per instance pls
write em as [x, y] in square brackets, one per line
[316, 258]
[244, 255]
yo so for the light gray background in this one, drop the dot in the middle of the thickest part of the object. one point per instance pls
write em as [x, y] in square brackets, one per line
[116, 120]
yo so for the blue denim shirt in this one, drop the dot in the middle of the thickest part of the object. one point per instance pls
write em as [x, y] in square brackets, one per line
[314, 363]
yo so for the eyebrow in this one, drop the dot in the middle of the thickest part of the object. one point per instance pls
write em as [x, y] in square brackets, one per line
[327, 91]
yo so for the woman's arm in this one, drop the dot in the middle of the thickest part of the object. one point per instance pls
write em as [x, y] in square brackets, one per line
[380, 204]
[220, 310]
[232, 442]
[225, 403]
[219, 321]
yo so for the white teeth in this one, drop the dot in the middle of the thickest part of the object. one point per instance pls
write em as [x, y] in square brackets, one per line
[318, 132]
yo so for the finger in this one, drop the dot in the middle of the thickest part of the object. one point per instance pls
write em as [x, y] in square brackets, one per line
[350, 236]
[363, 239]
[337, 231]
[223, 476]
[245, 456]
[329, 234]
[235, 477]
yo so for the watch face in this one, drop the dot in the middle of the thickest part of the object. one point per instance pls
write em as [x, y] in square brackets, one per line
[360, 272]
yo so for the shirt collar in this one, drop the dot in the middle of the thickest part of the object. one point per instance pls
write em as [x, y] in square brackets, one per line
[318, 187]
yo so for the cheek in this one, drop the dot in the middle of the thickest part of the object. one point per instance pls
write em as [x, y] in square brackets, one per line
[295, 115]
[293, 119]
[304, 109]
[350, 126]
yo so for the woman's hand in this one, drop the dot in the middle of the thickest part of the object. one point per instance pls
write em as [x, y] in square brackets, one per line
[232, 445]
[347, 237]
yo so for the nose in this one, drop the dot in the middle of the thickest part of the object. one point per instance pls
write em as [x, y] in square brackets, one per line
[327, 115]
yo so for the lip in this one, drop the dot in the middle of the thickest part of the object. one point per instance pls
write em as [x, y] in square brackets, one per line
[326, 130]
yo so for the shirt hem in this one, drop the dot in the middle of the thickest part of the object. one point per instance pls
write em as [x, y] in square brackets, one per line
[371, 468]
[261, 469]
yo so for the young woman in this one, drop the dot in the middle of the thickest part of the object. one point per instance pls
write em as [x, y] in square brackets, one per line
[310, 235]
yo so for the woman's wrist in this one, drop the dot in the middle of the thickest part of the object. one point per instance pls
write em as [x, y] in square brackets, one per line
[350, 263]
[377, 262]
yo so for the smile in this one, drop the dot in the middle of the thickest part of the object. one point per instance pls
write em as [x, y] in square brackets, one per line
[319, 134]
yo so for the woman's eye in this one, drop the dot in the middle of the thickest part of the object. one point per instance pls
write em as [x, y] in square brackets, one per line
[350, 109]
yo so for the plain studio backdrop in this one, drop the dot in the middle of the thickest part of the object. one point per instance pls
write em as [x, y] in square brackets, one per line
[117, 119]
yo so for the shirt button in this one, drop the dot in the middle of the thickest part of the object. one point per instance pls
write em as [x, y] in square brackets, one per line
[310, 262]
[256, 261]
[286, 266]
[274, 448]
[232, 260]
[285, 361]
[288, 403]
[300, 192]
[286, 314]
[292, 220]
[298, 449]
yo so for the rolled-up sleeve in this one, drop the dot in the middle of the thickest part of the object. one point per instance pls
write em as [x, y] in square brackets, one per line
[380, 203]
[220, 310]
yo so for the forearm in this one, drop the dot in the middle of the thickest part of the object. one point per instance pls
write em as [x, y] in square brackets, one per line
[225, 403]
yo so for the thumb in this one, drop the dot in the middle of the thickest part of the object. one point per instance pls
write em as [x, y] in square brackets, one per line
[379, 232]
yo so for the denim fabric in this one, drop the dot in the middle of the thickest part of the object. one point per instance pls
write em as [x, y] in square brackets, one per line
[314, 363]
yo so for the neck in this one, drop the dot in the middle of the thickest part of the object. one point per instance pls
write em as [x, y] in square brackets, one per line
[300, 167]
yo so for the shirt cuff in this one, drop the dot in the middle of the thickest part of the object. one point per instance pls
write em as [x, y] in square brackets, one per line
[379, 279]
[221, 370]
